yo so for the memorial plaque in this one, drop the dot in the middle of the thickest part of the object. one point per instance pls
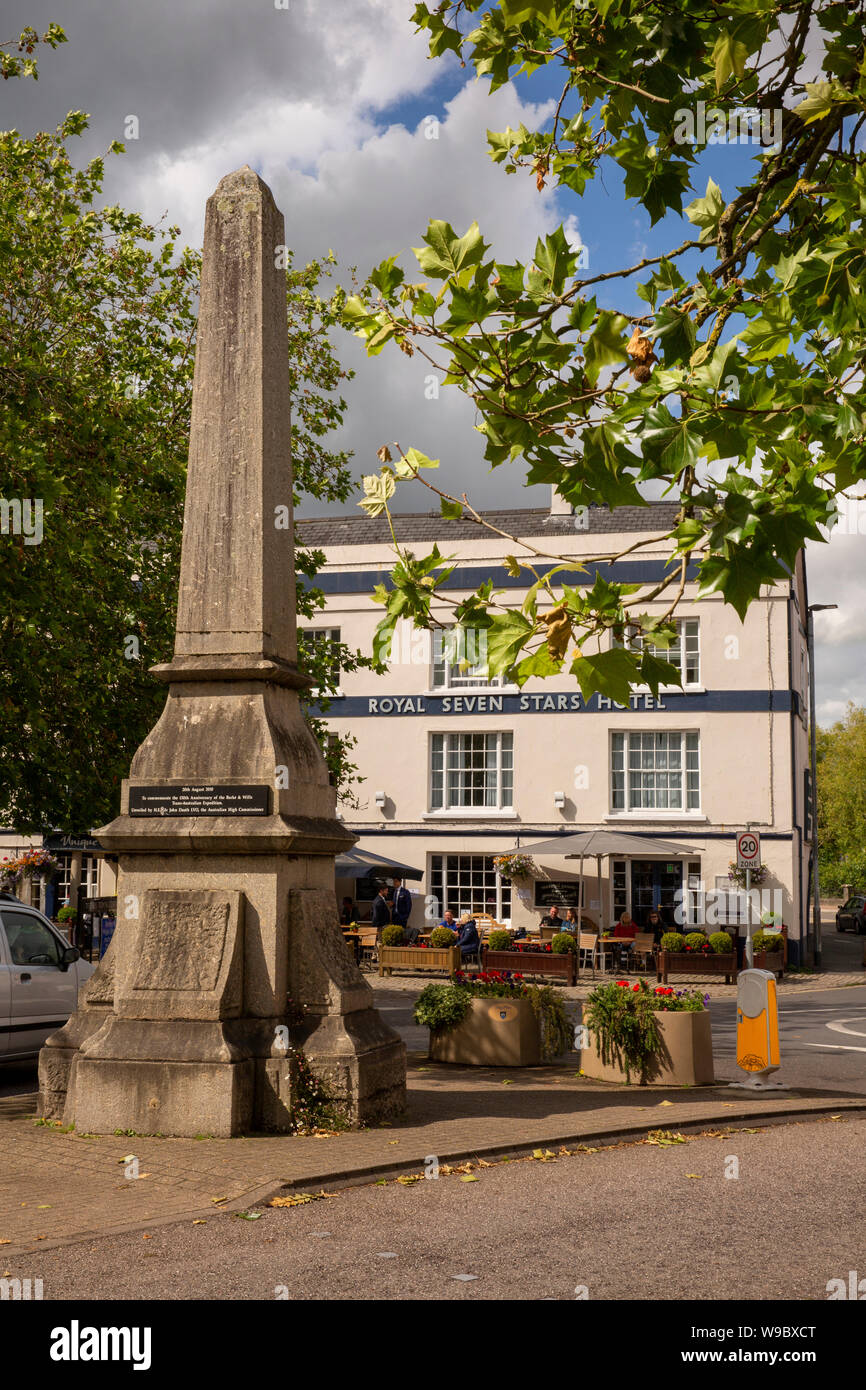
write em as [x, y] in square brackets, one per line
[199, 800]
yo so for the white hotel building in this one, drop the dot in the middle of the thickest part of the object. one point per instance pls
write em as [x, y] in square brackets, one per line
[458, 768]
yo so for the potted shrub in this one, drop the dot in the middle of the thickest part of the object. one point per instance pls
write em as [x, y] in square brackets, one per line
[442, 937]
[441, 954]
[696, 954]
[654, 1036]
[563, 942]
[533, 957]
[768, 951]
[493, 1019]
[499, 941]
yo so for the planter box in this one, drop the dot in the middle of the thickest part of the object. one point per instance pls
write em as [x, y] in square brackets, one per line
[562, 967]
[494, 1033]
[445, 958]
[773, 961]
[690, 963]
[686, 1058]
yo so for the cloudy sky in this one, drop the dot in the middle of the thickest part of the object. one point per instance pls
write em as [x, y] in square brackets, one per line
[331, 102]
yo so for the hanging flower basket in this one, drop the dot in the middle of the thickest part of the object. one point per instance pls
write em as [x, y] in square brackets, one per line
[738, 876]
[515, 865]
[33, 863]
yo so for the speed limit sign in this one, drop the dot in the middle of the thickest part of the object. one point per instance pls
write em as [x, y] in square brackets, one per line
[748, 850]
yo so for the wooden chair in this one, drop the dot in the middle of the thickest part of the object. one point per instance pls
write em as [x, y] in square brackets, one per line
[369, 945]
[643, 947]
[587, 944]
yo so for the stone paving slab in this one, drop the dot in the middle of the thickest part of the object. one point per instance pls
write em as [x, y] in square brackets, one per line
[58, 1187]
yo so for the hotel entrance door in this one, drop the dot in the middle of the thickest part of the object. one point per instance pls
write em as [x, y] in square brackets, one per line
[654, 883]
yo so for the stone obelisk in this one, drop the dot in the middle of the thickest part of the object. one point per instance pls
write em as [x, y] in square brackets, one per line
[227, 958]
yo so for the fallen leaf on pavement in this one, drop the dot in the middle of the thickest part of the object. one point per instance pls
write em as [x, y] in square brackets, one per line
[469, 1177]
[694, 1175]
[5, 1242]
[216, 1200]
[665, 1102]
[200, 1222]
[46, 1206]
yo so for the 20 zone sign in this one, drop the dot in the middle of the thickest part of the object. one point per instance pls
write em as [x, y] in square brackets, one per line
[748, 850]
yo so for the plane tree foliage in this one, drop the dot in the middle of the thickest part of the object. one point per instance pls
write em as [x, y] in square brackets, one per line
[724, 373]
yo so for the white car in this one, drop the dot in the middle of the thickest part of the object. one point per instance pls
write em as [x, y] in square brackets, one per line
[40, 977]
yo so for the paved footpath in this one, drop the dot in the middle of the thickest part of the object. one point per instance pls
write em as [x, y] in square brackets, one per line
[57, 1187]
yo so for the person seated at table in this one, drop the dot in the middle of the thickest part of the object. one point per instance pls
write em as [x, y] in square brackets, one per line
[448, 920]
[655, 924]
[626, 926]
[347, 913]
[467, 936]
[571, 923]
[552, 919]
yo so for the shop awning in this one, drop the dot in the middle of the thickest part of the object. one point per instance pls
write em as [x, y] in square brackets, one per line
[358, 863]
[606, 842]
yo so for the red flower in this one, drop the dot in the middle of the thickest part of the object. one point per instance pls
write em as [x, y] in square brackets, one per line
[635, 988]
[623, 984]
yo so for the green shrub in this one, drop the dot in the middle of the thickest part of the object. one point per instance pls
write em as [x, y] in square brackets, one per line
[673, 941]
[442, 1006]
[767, 941]
[722, 943]
[695, 939]
[499, 941]
[562, 943]
[557, 1030]
[392, 936]
[442, 936]
[66, 913]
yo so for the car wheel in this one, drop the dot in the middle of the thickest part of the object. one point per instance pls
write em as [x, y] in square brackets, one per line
[861, 930]
[839, 926]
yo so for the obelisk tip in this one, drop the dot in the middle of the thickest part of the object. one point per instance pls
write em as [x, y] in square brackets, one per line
[244, 180]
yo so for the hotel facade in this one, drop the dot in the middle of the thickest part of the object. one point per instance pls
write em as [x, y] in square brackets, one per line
[458, 768]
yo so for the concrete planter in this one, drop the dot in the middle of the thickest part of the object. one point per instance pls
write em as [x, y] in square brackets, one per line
[494, 1033]
[686, 1057]
[562, 967]
[693, 963]
[445, 958]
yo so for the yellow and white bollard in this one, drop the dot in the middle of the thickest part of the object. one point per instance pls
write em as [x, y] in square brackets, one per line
[757, 1030]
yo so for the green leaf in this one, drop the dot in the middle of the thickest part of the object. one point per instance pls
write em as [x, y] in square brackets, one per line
[610, 673]
[729, 57]
[606, 344]
[705, 212]
[446, 254]
[451, 510]
[506, 636]
[822, 97]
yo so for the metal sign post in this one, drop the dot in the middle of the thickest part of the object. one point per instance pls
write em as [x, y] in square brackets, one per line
[749, 858]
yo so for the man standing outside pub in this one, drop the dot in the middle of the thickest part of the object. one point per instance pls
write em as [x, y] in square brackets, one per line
[400, 910]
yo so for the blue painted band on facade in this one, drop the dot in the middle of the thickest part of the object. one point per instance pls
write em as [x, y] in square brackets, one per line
[492, 702]
[682, 830]
[471, 576]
